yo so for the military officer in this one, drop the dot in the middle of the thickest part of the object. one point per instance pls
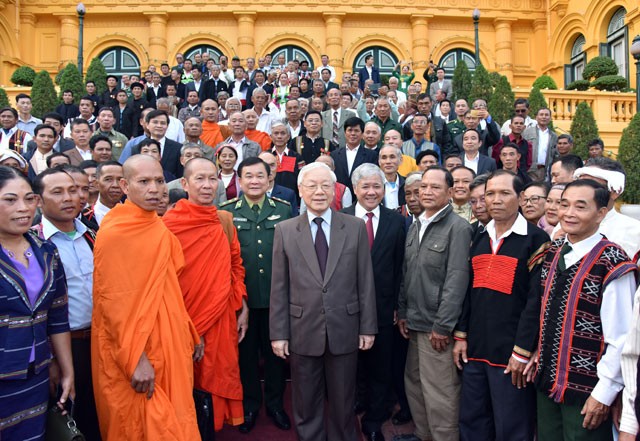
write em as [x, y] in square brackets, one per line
[255, 217]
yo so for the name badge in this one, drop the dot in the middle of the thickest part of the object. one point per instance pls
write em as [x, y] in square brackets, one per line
[274, 217]
[240, 219]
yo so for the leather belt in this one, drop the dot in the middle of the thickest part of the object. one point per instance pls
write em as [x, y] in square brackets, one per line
[81, 334]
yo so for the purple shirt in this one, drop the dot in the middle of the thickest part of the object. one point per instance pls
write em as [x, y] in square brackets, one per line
[33, 279]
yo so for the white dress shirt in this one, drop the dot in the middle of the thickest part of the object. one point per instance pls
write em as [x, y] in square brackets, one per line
[543, 146]
[100, 211]
[622, 230]
[425, 221]
[175, 130]
[361, 212]
[351, 157]
[391, 193]
[472, 163]
[519, 227]
[326, 225]
[616, 318]
[629, 365]
[86, 154]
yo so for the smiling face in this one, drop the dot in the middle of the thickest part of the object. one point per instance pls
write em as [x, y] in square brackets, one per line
[369, 192]
[533, 203]
[579, 214]
[462, 179]
[317, 190]
[254, 181]
[18, 205]
[434, 191]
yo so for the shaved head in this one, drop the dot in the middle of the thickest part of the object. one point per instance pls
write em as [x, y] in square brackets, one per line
[195, 162]
[209, 102]
[131, 165]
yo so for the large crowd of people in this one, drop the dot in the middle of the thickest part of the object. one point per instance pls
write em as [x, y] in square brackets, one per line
[210, 225]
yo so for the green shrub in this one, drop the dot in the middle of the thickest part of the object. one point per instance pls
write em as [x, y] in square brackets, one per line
[579, 85]
[481, 87]
[599, 67]
[71, 79]
[501, 103]
[43, 94]
[4, 99]
[583, 129]
[610, 83]
[495, 78]
[545, 82]
[536, 101]
[98, 74]
[461, 82]
[628, 154]
[23, 76]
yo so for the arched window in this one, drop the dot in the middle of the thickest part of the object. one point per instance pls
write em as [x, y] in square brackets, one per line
[291, 53]
[120, 60]
[573, 70]
[617, 42]
[450, 60]
[383, 59]
[214, 52]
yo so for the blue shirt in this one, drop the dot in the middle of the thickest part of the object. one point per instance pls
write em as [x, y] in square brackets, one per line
[326, 225]
[126, 151]
[77, 259]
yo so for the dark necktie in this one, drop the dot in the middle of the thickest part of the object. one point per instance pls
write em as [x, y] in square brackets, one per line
[335, 138]
[369, 224]
[256, 210]
[566, 248]
[322, 248]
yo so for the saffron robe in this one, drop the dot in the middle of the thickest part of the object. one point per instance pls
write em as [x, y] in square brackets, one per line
[138, 307]
[211, 133]
[260, 137]
[213, 288]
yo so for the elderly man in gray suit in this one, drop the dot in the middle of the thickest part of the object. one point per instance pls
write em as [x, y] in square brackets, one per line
[323, 307]
[334, 117]
[543, 146]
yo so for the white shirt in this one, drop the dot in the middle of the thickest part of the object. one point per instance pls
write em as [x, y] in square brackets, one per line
[265, 119]
[472, 163]
[77, 258]
[425, 221]
[543, 146]
[294, 132]
[623, 230]
[616, 318]
[4, 139]
[391, 193]
[351, 157]
[100, 210]
[86, 154]
[333, 71]
[519, 227]
[326, 225]
[629, 365]
[361, 212]
[175, 130]
[237, 93]
[39, 161]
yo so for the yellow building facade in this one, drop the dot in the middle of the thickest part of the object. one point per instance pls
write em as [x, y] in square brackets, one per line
[521, 39]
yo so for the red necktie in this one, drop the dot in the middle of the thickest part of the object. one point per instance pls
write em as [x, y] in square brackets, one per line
[370, 229]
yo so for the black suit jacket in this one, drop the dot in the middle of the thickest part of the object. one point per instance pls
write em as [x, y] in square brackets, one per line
[364, 75]
[170, 160]
[288, 195]
[489, 136]
[192, 86]
[339, 156]
[209, 90]
[243, 86]
[387, 256]
[127, 123]
[152, 97]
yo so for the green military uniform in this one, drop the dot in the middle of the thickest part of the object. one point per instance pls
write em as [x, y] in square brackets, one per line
[455, 127]
[255, 224]
[118, 141]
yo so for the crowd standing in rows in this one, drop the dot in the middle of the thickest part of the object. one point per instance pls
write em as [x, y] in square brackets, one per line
[396, 249]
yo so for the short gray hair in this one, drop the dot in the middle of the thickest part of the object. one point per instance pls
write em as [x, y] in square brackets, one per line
[366, 171]
[229, 100]
[397, 149]
[258, 90]
[278, 122]
[313, 166]
[190, 145]
[413, 178]
[378, 129]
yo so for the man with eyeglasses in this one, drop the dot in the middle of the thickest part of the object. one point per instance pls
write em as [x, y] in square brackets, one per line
[521, 108]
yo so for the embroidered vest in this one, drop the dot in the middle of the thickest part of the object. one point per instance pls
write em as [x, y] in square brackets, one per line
[571, 340]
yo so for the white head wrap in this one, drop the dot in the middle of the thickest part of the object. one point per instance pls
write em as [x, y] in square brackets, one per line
[615, 180]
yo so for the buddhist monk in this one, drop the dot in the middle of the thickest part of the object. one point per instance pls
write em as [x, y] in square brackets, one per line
[213, 288]
[142, 339]
[211, 131]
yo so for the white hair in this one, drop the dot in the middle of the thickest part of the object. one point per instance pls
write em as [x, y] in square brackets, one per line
[313, 166]
[378, 129]
[258, 90]
[277, 123]
[366, 170]
[412, 178]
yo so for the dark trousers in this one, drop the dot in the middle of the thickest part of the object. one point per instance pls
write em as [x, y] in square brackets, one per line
[560, 422]
[398, 363]
[374, 369]
[255, 344]
[491, 408]
[85, 404]
[310, 378]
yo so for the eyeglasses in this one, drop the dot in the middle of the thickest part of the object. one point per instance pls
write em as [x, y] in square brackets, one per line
[533, 199]
[313, 187]
[521, 111]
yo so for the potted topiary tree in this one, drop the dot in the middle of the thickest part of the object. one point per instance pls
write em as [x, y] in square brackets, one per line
[583, 129]
[628, 154]
[43, 94]
[23, 76]
[545, 82]
[98, 74]
[461, 82]
[71, 79]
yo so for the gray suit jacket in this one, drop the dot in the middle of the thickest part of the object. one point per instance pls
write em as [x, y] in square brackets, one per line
[249, 148]
[313, 312]
[327, 124]
[531, 134]
[446, 86]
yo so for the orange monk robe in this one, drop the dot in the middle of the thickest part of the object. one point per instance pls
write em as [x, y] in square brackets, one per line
[260, 137]
[211, 133]
[213, 288]
[138, 306]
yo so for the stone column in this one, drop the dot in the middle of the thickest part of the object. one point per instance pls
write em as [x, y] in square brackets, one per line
[27, 37]
[420, 46]
[333, 41]
[157, 37]
[504, 46]
[246, 34]
[68, 39]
